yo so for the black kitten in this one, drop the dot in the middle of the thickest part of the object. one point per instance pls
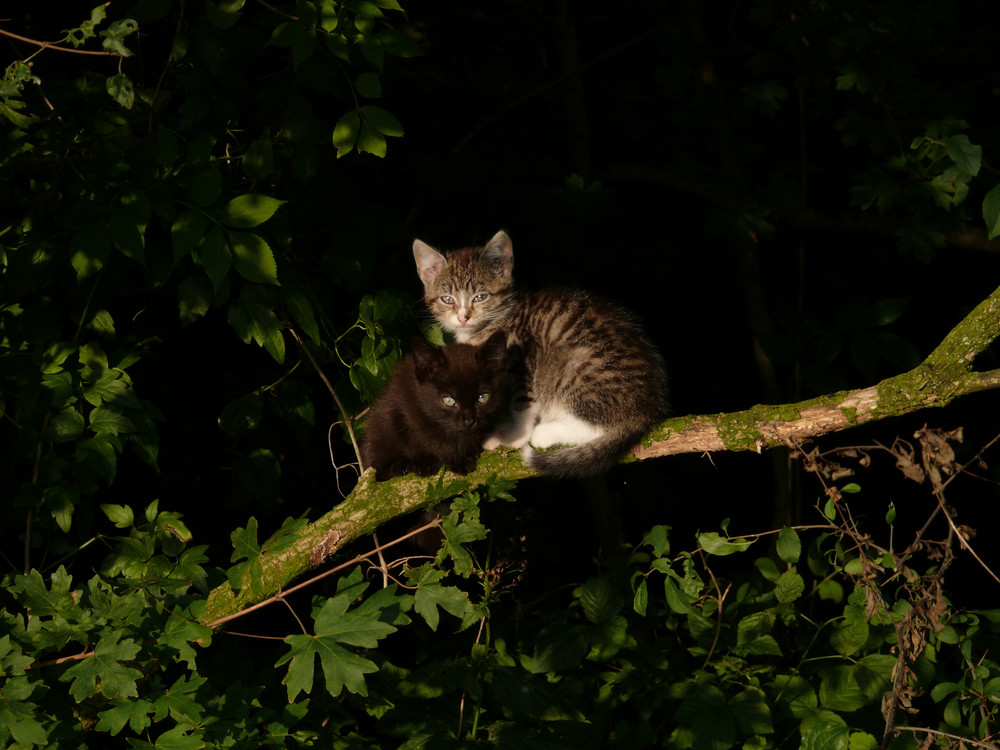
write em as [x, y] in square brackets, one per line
[436, 409]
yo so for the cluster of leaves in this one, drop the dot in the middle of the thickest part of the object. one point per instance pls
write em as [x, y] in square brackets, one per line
[193, 173]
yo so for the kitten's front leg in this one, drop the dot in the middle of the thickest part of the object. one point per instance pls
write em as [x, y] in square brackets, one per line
[513, 433]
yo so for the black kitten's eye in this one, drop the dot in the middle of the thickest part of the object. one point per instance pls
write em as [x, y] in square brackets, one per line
[448, 401]
[447, 300]
[484, 397]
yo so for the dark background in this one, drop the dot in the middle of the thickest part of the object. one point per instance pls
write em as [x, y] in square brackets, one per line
[627, 149]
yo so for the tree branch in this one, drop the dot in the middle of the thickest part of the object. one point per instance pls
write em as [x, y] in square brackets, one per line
[945, 375]
[55, 46]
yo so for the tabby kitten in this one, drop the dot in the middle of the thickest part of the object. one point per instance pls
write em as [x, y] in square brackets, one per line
[591, 379]
[439, 404]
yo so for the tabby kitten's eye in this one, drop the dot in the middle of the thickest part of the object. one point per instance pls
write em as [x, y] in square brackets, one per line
[484, 397]
[480, 297]
[448, 300]
[448, 401]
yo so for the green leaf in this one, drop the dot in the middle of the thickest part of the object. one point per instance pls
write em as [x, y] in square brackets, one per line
[640, 600]
[301, 311]
[109, 420]
[381, 120]
[714, 544]
[431, 595]
[599, 600]
[42, 602]
[258, 161]
[120, 88]
[187, 231]
[823, 730]
[863, 741]
[790, 587]
[252, 258]
[765, 96]
[849, 687]
[214, 256]
[115, 34]
[703, 708]
[345, 133]
[751, 711]
[658, 539]
[135, 713]
[250, 573]
[830, 509]
[90, 248]
[120, 515]
[677, 600]
[182, 633]
[991, 212]
[194, 298]
[369, 85]
[849, 636]
[370, 141]
[105, 666]
[65, 426]
[530, 696]
[17, 716]
[249, 210]
[102, 324]
[967, 155]
[789, 547]
[334, 625]
[754, 626]
[253, 321]
[100, 454]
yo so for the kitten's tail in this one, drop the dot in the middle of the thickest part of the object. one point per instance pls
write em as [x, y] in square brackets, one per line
[589, 459]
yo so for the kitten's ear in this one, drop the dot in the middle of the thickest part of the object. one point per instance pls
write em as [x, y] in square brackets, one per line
[429, 261]
[494, 350]
[499, 254]
[426, 357]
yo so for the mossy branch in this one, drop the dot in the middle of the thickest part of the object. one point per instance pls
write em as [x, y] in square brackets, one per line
[945, 375]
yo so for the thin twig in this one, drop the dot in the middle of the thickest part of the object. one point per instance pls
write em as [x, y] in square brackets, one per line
[324, 574]
[55, 46]
[348, 419]
[937, 733]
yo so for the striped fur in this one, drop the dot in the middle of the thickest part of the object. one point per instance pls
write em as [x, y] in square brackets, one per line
[591, 380]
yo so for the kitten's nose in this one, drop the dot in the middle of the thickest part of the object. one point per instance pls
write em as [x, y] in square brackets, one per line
[469, 420]
[463, 316]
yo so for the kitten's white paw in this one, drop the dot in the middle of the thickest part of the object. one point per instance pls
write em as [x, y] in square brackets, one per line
[507, 435]
[492, 443]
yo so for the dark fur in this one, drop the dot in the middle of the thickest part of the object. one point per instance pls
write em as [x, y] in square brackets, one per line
[411, 430]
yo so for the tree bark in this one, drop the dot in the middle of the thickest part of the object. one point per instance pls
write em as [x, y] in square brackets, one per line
[943, 376]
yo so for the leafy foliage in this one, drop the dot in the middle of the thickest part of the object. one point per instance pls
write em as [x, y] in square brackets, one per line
[191, 217]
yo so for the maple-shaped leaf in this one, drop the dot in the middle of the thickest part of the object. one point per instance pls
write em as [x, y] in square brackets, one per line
[43, 602]
[105, 665]
[431, 595]
[177, 701]
[180, 632]
[245, 547]
[124, 711]
[176, 739]
[17, 714]
[334, 625]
